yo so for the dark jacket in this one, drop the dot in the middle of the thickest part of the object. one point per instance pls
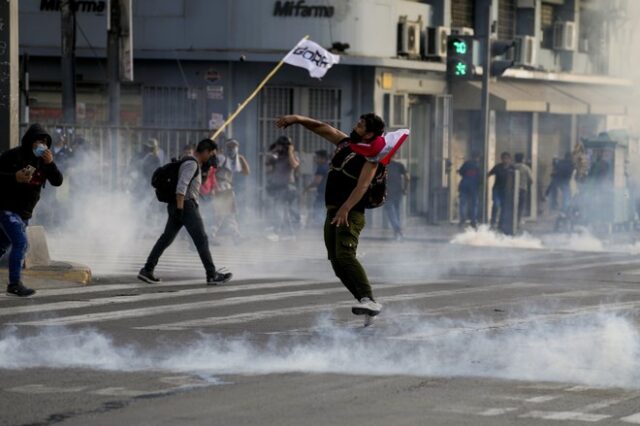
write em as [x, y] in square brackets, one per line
[21, 198]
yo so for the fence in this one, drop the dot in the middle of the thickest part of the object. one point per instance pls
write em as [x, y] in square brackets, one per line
[114, 147]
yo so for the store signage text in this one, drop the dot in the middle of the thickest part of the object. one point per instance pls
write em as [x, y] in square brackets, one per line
[300, 9]
[79, 6]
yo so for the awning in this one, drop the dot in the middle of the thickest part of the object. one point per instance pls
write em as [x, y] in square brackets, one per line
[602, 100]
[502, 97]
[542, 96]
[557, 102]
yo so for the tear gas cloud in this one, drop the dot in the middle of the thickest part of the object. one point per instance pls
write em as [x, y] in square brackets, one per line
[598, 350]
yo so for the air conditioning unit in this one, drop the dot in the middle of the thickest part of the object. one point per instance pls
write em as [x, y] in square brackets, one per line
[564, 36]
[409, 36]
[435, 42]
[462, 31]
[525, 52]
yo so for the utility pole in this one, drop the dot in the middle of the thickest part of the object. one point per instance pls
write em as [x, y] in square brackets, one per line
[9, 74]
[113, 74]
[25, 88]
[484, 105]
[68, 60]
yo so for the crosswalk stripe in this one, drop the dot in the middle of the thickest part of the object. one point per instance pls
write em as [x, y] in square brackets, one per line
[156, 310]
[300, 310]
[565, 415]
[634, 418]
[142, 297]
[178, 283]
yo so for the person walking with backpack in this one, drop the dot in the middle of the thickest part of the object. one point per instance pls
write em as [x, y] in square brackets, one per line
[178, 184]
[352, 170]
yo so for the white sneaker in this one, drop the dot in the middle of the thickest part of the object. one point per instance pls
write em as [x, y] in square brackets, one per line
[366, 307]
[368, 320]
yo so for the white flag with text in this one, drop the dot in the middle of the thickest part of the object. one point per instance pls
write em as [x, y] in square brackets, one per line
[312, 57]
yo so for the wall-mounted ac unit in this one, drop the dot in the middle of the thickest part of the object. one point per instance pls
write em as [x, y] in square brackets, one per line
[462, 31]
[435, 41]
[525, 52]
[409, 37]
[564, 36]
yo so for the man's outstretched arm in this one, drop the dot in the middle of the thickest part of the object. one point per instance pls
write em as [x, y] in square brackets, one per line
[324, 130]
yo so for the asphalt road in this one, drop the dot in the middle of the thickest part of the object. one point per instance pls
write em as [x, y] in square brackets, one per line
[468, 335]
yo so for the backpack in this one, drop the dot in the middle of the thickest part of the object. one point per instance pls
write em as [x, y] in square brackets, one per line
[376, 195]
[165, 180]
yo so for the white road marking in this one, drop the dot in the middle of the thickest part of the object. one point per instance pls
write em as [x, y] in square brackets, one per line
[142, 297]
[564, 415]
[37, 388]
[541, 399]
[634, 418]
[497, 411]
[298, 310]
[157, 310]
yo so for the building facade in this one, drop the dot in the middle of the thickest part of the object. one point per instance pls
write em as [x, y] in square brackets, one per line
[194, 61]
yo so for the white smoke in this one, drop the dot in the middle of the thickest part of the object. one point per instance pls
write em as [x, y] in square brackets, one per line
[484, 236]
[597, 349]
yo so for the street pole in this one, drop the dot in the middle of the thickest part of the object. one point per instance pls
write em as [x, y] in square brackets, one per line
[113, 75]
[25, 88]
[484, 105]
[9, 75]
[68, 61]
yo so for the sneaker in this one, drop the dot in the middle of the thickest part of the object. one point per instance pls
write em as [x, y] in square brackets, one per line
[366, 307]
[368, 320]
[147, 276]
[219, 278]
[18, 289]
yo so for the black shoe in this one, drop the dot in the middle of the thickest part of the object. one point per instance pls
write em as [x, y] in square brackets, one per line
[18, 289]
[219, 278]
[147, 276]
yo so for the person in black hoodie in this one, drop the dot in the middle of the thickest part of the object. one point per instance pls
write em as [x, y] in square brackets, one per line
[23, 173]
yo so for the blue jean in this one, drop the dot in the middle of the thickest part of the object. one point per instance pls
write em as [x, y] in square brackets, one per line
[565, 189]
[469, 206]
[13, 233]
[392, 208]
[496, 208]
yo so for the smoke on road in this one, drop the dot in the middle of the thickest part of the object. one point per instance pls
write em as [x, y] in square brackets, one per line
[596, 349]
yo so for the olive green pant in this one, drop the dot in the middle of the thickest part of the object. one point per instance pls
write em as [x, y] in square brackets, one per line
[341, 243]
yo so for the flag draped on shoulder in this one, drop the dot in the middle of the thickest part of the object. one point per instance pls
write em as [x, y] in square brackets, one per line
[311, 56]
[382, 148]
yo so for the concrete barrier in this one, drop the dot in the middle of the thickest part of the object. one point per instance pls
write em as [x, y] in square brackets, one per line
[38, 264]
[38, 253]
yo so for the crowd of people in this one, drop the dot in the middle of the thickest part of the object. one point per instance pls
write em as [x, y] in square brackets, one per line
[207, 169]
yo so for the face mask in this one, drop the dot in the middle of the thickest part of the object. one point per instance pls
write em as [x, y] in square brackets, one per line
[355, 137]
[232, 152]
[39, 150]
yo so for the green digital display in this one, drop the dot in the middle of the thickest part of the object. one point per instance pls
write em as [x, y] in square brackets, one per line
[460, 46]
[461, 69]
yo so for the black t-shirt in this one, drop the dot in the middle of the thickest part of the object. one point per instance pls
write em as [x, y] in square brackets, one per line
[343, 175]
[501, 173]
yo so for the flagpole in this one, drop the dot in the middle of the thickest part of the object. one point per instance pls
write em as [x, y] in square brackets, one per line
[252, 95]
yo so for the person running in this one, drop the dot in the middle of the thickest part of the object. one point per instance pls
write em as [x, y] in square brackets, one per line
[350, 175]
[183, 211]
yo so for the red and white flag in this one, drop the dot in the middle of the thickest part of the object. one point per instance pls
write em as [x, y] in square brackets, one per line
[382, 148]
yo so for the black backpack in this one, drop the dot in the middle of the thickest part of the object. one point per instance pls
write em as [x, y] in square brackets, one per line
[377, 193]
[165, 180]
